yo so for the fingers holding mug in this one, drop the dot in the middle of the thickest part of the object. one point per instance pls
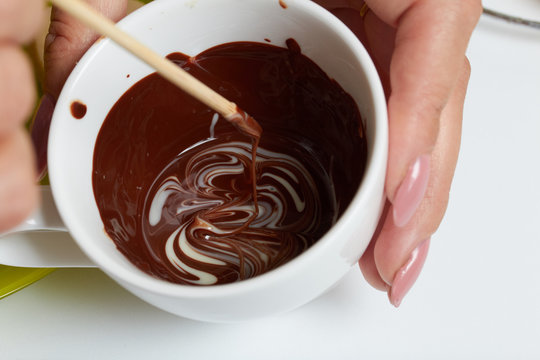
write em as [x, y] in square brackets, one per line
[399, 252]
[19, 21]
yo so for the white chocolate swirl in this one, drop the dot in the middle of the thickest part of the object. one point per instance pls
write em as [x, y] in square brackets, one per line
[201, 207]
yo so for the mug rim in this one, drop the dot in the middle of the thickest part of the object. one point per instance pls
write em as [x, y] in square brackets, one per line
[376, 160]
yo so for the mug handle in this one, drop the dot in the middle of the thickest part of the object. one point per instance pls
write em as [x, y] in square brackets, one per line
[42, 240]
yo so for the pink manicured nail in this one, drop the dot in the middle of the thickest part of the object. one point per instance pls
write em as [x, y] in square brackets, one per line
[411, 191]
[407, 275]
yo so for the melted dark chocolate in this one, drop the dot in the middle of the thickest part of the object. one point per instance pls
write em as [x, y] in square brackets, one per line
[78, 109]
[172, 179]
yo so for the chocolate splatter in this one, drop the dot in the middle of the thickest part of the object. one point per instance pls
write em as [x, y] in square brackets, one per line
[78, 109]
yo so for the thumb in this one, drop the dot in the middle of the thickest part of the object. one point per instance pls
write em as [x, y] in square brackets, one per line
[65, 44]
[68, 40]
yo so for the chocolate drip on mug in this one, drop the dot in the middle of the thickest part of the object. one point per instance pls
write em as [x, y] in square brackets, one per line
[190, 199]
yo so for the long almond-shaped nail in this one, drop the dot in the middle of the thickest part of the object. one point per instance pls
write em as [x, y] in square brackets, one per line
[408, 273]
[411, 191]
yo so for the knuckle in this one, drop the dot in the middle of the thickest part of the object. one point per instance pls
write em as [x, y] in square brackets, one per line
[65, 40]
[465, 12]
[59, 37]
[56, 46]
[471, 10]
[475, 10]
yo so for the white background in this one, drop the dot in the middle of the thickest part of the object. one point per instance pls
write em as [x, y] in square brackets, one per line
[478, 297]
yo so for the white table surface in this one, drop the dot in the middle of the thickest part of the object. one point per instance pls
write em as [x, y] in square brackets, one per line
[478, 297]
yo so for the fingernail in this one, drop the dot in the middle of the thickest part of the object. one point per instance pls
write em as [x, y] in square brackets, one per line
[407, 275]
[411, 191]
[49, 39]
[40, 131]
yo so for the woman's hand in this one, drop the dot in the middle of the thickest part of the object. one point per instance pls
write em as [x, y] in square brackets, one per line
[419, 49]
[19, 21]
[65, 44]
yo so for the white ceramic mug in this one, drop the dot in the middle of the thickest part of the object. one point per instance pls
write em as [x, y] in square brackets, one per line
[99, 79]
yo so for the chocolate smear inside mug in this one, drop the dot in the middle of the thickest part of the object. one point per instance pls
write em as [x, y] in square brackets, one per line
[176, 185]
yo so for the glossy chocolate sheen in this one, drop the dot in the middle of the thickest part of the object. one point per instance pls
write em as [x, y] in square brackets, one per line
[78, 109]
[172, 179]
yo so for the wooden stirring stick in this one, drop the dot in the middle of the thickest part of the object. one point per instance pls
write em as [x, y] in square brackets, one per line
[178, 76]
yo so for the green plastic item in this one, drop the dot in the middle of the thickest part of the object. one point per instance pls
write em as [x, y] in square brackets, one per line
[13, 279]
